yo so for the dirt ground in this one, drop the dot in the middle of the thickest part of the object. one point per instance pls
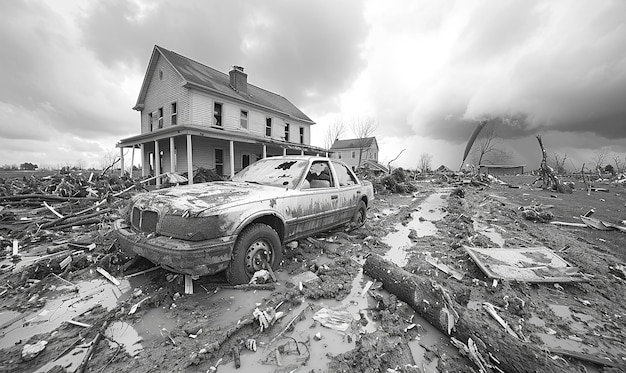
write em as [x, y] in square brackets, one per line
[322, 313]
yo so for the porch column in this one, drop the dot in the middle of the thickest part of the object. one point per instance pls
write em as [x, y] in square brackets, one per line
[232, 158]
[326, 154]
[264, 151]
[189, 160]
[157, 162]
[132, 161]
[302, 152]
[143, 161]
[172, 160]
[284, 151]
[121, 161]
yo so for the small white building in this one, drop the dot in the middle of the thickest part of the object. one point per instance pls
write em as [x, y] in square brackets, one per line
[195, 116]
[355, 152]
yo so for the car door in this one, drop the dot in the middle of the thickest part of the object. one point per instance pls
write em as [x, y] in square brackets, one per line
[318, 201]
[349, 193]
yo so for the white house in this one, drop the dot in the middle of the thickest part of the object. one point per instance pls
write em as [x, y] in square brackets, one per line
[195, 116]
[353, 151]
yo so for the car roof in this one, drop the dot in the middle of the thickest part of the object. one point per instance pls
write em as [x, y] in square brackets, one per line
[301, 157]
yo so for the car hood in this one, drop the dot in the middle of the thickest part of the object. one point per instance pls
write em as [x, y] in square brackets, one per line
[200, 199]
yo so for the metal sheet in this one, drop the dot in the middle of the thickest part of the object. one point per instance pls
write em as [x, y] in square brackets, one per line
[530, 264]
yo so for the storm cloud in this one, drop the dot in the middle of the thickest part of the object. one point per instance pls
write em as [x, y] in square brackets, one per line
[426, 71]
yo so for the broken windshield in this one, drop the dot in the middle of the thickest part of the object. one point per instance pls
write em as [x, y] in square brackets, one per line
[274, 172]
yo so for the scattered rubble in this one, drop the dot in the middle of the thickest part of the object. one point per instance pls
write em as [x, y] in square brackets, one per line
[462, 302]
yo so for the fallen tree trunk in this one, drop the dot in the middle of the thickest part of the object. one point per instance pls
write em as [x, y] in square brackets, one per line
[432, 302]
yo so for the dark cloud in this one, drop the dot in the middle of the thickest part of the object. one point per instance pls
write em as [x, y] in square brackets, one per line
[305, 51]
[558, 66]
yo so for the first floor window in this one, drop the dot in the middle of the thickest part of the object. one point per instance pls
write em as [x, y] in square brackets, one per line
[174, 113]
[245, 160]
[244, 119]
[268, 127]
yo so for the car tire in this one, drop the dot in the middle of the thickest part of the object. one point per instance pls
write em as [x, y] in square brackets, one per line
[252, 245]
[359, 217]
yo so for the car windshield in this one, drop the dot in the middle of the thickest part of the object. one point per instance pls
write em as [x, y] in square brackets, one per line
[280, 172]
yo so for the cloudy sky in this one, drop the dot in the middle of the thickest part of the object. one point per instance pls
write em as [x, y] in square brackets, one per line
[425, 70]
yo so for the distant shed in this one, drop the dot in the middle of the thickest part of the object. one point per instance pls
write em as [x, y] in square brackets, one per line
[499, 169]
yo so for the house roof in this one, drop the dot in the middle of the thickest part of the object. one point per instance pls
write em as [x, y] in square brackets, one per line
[354, 143]
[206, 78]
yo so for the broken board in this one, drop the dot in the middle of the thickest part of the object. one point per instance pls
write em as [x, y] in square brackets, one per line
[530, 264]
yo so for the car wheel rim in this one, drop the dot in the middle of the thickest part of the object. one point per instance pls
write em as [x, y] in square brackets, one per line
[257, 255]
[361, 218]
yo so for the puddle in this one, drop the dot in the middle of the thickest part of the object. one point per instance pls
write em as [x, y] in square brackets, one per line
[64, 303]
[421, 222]
[488, 231]
[576, 321]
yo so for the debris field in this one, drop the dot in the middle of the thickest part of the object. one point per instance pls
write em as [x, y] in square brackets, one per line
[450, 273]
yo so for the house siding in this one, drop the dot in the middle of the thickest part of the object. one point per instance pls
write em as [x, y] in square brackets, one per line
[202, 105]
[161, 93]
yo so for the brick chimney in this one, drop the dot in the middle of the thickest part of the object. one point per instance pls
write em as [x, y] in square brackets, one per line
[238, 79]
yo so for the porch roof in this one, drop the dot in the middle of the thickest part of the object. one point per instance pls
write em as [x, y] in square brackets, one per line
[210, 132]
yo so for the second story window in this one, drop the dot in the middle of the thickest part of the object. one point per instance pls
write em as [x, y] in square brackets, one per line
[217, 114]
[268, 127]
[150, 122]
[174, 114]
[353, 154]
[160, 117]
[244, 119]
[301, 135]
[287, 132]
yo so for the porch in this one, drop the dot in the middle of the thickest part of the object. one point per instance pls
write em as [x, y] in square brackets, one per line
[180, 148]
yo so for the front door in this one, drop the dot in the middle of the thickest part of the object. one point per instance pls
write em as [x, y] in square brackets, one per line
[219, 161]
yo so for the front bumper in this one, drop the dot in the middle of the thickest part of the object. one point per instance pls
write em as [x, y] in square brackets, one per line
[191, 258]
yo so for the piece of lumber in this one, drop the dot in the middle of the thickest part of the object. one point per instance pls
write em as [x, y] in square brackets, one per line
[429, 299]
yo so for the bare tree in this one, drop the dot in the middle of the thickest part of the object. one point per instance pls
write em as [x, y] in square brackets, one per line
[109, 158]
[620, 164]
[488, 147]
[424, 162]
[363, 129]
[599, 157]
[333, 132]
[559, 163]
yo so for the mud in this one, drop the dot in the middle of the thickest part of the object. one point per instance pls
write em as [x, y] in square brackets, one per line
[334, 318]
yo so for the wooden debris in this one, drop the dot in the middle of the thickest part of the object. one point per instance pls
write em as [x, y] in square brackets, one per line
[418, 292]
[108, 276]
[77, 323]
[188, 284]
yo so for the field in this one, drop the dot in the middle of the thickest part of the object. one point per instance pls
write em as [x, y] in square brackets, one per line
[334, 317]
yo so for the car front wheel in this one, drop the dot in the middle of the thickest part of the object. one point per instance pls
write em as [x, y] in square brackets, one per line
[257, 246]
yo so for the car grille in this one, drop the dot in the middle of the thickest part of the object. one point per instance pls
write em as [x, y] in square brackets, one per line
[144, 220]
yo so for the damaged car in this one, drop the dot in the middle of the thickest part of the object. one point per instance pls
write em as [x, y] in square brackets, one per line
[241, 226]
